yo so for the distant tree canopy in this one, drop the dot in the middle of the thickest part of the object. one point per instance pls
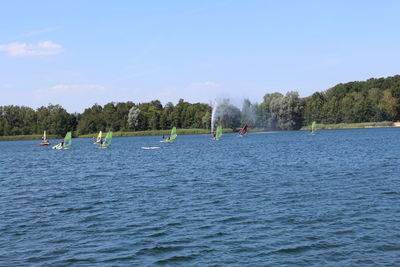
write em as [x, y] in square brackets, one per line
[17, 120]
[367, 101]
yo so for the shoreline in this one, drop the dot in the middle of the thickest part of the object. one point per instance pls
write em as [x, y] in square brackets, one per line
[340, 126]
[115, 134]
[360, 125]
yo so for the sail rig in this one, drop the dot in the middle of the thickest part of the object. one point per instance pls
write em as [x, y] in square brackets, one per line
[172, 137]
[66, 144]
[244, 130]
[99, 136]
[67, 140]
[173, 134]
[107, 140]
[313, 128]
[218, 134]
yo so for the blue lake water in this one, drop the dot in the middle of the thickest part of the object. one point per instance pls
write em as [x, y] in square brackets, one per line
[284, 198]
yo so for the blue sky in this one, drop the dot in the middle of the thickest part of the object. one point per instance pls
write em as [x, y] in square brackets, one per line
[77, 53]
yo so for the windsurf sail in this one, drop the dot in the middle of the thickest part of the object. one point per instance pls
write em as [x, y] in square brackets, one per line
[172, 137]
[219, 133]
[98, 139]
[67, 140]
[107, 140]
[313, 128]
[173, 134]
[244, 130]
[66, 144]
[44, 136]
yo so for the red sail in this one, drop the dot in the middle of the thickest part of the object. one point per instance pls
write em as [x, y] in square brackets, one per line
[244, 130]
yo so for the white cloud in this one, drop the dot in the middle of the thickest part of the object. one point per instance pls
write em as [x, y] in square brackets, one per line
[45, 48]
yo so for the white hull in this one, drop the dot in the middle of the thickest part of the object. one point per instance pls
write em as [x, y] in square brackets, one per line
[150, 147]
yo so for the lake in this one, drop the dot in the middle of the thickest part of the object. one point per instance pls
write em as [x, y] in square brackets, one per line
[268, 199]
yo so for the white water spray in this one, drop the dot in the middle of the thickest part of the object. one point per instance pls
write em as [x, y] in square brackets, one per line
[213, 112]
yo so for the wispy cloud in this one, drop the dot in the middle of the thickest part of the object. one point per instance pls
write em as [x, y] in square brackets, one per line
[76, 90]
[45, 48]
[36, 32]
[6, 86]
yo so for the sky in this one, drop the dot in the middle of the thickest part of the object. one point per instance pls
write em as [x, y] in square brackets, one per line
[78, 53]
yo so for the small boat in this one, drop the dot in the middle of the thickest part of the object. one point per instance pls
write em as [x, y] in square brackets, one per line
[243, 132]
[171, 138]
[66, 144]
[107, 141]
[44, 142]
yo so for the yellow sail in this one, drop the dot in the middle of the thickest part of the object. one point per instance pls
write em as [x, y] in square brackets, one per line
[99, 137]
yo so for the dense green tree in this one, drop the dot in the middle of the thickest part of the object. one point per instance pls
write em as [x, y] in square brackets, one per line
[371, 100]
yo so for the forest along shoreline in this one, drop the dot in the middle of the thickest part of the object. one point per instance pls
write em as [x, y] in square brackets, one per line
[339, 126]
[344, 106]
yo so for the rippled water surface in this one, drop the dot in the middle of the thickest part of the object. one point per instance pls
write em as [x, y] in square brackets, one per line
[283, 198]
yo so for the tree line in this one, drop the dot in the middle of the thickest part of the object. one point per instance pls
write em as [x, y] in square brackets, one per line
[366, 101]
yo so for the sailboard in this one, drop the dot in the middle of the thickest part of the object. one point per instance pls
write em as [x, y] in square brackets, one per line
[107, 140]
[172, 137]
[243, 132]
[44, 142]
[66, 144]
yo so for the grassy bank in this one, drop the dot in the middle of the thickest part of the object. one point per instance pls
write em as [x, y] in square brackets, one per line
[27, 137]
[350, 125]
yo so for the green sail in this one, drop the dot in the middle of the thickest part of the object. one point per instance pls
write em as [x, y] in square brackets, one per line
[173, 134]
[108, 139]
[68, 140]
[313, 127]
[219, 132]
